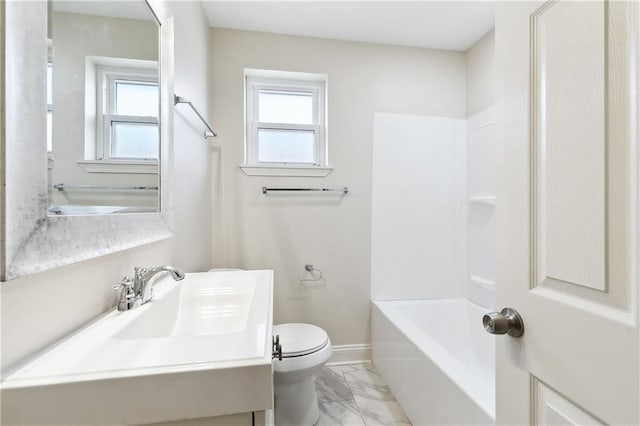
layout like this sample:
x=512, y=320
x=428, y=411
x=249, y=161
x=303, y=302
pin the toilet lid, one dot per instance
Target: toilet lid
x=300, y=339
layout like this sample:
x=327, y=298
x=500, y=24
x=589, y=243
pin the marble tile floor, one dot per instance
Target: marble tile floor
x=356, y=395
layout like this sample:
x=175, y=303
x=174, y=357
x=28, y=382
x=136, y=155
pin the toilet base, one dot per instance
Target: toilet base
x=296, y=404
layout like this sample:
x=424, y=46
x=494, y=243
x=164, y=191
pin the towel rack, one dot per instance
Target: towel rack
x=210, y=133
x=310, y=269
x=65, y=186
x=344, y=190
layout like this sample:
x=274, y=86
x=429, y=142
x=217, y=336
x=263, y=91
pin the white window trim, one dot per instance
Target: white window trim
x=50, y=105
x=123, y=166
x=287, y=82
x=106, y=79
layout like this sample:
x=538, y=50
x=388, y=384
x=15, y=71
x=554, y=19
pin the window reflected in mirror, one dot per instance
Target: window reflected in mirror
x=49, y=106
x=102, y=108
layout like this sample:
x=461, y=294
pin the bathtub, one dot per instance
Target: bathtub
x=437, y=359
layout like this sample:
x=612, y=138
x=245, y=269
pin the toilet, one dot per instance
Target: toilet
x=305, y=349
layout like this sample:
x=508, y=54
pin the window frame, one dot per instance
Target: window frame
x=285, y=83
x=49, y=104
x=49, y=111
x=107, y=79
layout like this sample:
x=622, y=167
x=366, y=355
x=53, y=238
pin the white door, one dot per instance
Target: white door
x=567, y=75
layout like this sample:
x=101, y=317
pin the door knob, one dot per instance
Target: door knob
x=507, y=321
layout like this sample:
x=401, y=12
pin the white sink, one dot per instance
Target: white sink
x=200, y=348
x=202, y=307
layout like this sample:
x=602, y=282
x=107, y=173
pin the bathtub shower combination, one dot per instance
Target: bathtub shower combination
x=432, y=265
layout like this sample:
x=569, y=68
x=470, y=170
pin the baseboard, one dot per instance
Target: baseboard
x=350, y=354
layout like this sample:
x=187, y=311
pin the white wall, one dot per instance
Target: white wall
x=284, y=232
x=480, y=74
x=417, y=223
x=432, y=237
x=39, y=309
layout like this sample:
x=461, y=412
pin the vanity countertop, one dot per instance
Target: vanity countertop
x=201, y=347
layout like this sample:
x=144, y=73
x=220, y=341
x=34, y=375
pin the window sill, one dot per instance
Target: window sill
x=133, y=167
x=285, y=170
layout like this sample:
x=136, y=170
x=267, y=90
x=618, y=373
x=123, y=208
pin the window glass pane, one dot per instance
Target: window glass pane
x=49, y=131
x=49, y=83
x=134, y=140
x=286, y=146
x=278, y=107
x=139, y=99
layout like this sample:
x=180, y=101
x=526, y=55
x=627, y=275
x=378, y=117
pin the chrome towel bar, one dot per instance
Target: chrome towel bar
x=210, y=133
x=344, y=190
x=64, y=186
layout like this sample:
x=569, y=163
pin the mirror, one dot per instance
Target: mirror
x=33, y=239
x=102, y=107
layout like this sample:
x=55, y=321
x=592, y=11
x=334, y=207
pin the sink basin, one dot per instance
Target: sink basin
x=202, y=307
x=200, y=348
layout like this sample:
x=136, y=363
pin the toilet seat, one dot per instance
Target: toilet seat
x=300, y=339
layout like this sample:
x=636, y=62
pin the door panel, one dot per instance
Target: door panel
x=568, y=122
x=567, y=212
x=582, y=158
x=554, y=409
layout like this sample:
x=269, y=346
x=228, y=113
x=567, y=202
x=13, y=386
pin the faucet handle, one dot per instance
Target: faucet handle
x=127, y=296
x=139, y=271
x=124, y=282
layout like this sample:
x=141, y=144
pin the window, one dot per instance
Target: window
x=127, y=115
x=285, y=124
x=49, y=108
x=49, y=99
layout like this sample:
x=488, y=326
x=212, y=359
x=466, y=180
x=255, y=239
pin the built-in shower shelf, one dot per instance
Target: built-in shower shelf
x=489, y=200
x=483, y=282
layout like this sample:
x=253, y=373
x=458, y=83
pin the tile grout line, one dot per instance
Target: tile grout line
x=373, y=375
x=340, y=378
x=346, y=383
x=364, y=421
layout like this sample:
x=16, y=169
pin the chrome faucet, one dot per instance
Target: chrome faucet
x=142, y=279
x=139, y=290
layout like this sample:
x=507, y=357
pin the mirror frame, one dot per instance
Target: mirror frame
x=32, y=241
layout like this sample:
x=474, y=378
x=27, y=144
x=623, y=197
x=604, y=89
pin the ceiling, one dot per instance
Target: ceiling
x=449, y=25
